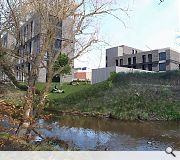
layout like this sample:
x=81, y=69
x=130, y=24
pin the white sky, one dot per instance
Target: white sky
x=149, y=24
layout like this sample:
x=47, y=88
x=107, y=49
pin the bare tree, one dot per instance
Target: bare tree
x=51, y=14
x=161, y=1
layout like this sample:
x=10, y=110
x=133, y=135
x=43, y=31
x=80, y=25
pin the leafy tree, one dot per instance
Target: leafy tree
x=62, y=65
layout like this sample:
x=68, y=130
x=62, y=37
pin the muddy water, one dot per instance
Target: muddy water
x=104, y=134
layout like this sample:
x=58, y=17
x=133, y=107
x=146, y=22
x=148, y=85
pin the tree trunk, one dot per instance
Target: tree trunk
x=29, y=103
x=44, y=94
x=27, y=115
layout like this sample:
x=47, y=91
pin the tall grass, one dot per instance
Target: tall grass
x=162, y=78
x=151, y=96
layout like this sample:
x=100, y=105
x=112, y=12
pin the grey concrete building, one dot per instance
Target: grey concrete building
x=122, y=50
x=8, y=42
x=31, y=32
x=154, y=60
x=127, y=59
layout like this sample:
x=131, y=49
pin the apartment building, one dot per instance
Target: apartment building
x=155, y=60
x=31, y=34
x=32, y=31
x=127, y=59
x=122, y=50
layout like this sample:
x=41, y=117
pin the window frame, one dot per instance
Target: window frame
x=162, y=57
x=129, y=61
x=144, y=58
x=149, y=57
x=160, y=67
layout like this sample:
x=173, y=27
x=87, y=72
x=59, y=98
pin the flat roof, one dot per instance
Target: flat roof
x=147, y=50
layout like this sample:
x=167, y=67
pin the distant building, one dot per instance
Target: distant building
x=122, y=50
x=82, y=74
x=155, y=60
x=128, y=59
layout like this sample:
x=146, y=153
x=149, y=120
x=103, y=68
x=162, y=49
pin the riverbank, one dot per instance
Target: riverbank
x=138, y=96
x=10, y=115
x=49, y=144
x=128, y=97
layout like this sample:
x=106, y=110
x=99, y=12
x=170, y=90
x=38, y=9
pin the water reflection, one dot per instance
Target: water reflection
x=102, y=134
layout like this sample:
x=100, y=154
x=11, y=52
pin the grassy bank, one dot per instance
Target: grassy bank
x=146, y=96
x=69, y=89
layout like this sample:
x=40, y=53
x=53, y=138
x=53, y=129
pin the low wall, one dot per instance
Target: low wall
x=102, y=74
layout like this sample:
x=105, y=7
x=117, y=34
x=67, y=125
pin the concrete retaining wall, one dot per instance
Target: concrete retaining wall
x=102, y=74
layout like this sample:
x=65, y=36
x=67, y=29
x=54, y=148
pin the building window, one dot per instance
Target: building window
x=149, y=67
x=133, y=51
x=36, y=45
x=162, y=56
x=32, y=29
x=17, y=75
x=22, y=77
x=121, y=62
x=134, y=60
x=59, y=34
x=116, y=62
x=129, y=61
x=25, y=48
x=143, y=67
x=106, y=60
x=162, y=66
x=29, y=67
x=5, y=41
x=57, y=44
x=30, y=47
x=136, y=51
x=144, y=58
x=25, y=33
x=149, y=57
x=84, y=68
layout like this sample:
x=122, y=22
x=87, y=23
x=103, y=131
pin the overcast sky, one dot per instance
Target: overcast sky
x=148, y=25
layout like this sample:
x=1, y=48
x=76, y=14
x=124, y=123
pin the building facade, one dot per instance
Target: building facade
x=82, y=74
x=122, y=50
x=32, y=31
x=129, y=60
x=8, y=42
x=154, y=60
x=31, y=43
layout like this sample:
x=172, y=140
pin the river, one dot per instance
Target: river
x=91, y=134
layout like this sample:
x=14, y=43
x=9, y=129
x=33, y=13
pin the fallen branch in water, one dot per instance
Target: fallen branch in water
x=36, y=132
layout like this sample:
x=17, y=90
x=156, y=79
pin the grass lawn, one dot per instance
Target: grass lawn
x=69, y=89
